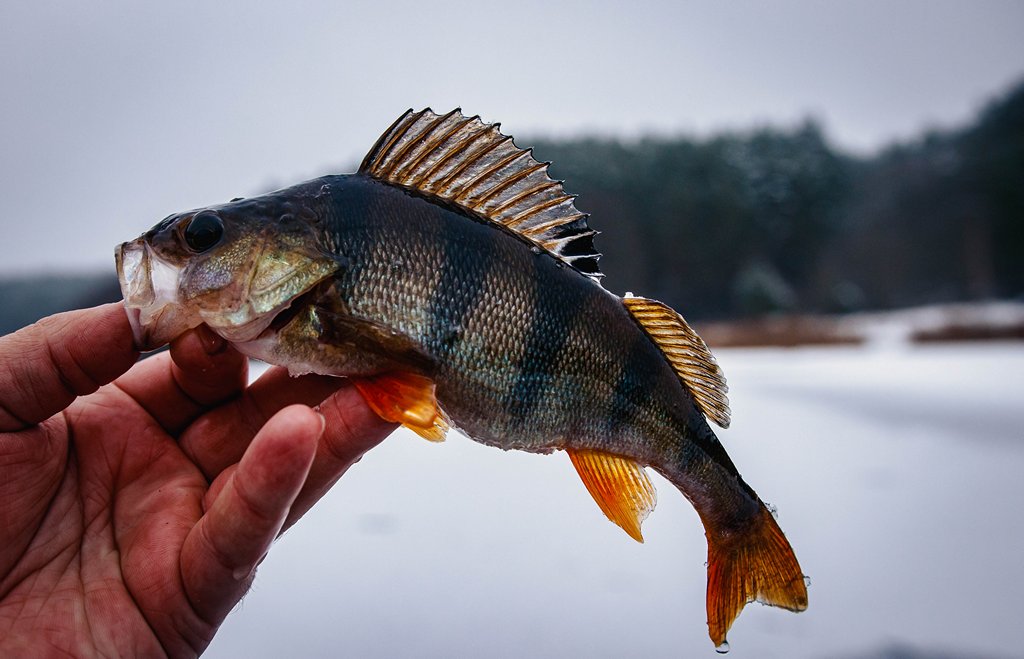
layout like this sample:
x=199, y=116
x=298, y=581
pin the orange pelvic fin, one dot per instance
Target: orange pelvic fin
x=755, y=566
x=620, y=486
x=405, y=398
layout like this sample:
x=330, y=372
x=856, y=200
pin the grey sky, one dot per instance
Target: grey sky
x=116, y=114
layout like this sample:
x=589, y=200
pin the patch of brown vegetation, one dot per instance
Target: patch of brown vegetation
x=969, y=332
x=777, y=331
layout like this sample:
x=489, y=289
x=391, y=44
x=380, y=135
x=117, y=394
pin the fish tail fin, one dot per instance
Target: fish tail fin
x=756, y=565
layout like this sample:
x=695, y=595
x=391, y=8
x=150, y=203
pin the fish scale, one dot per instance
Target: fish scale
x=457, y=284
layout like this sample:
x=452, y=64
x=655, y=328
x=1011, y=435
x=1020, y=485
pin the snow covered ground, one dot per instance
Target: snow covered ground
x=896, y=471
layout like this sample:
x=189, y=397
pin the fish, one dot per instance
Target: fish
x=457, y=284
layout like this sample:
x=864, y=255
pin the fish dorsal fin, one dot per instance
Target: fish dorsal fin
x=620, y=487
x=687, y=353
x=465, y=162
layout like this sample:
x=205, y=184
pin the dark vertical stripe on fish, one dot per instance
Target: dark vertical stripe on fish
x=457, y=294
x=552, y=318
x=352, y=201
x=632, y=386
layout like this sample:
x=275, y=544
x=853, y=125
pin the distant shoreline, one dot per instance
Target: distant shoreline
x=969, y=321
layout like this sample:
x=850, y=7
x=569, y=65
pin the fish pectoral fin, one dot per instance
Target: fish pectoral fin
x=620, y=487
x=336, y=327
x=406, y=398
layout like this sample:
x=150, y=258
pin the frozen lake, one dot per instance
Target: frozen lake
x=898, y=474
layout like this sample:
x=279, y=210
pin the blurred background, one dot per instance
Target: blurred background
x=833, y=193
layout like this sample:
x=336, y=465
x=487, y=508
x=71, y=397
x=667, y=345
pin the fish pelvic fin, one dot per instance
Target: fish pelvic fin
x=465, y=162
x=406, y=398
x=686, y=352
x=620, y=487
x=758, y=565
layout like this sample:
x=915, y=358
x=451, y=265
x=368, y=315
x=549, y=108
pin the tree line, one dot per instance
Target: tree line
x=770, y=220
x=778, y=220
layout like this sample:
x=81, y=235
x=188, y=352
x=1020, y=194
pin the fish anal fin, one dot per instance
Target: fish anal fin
x=620, y=487
x=689, y=356
x=406, y=398
x=758, y=565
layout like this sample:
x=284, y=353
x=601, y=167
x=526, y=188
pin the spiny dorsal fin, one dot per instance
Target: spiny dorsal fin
x=466, y=162
x=688, y=354
x=620, y=487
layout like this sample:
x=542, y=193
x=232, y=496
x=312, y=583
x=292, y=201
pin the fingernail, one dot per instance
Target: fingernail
x=323, y=420
x=213, y=343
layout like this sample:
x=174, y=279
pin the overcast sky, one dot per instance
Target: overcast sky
x=115, y=115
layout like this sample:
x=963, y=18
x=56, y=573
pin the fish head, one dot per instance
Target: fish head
x=234, y=267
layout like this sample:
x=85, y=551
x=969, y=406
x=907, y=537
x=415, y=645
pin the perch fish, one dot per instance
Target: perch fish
x=458, y=285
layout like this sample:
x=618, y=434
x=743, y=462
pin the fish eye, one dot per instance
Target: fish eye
x=204, y=231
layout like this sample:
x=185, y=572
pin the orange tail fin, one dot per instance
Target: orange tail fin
x=757, y=565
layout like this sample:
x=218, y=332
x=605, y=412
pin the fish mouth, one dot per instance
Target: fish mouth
x=149, y=286
x=153, y=298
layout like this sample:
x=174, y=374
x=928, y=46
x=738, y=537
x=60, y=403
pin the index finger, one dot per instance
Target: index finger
x=45, y=366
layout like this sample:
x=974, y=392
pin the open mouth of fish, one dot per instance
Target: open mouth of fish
x=152, y=298
x=150, y=289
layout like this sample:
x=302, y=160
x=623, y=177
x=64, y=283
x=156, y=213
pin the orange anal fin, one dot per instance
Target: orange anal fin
x=620, y=487
x=758, y=565
x=405, y=398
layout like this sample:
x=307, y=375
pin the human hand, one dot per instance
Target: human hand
x=133, y=514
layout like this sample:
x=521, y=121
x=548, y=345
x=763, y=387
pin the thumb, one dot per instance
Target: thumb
x=45, y=366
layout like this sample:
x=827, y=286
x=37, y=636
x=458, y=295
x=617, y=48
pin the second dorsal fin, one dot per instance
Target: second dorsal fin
x=687, y=353
x=465, y=162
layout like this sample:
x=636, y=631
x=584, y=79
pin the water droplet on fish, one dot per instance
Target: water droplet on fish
x=325, y=189
x=535, y=249
x=723, y=648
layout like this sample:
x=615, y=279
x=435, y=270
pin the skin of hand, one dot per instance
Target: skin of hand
x=136, y=499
